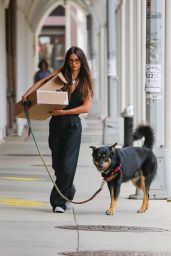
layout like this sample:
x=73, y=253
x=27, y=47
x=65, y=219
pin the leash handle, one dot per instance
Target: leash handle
x=26, y=103
x=26, y=106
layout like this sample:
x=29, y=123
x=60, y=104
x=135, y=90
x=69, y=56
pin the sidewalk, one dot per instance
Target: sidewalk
x=30, y=228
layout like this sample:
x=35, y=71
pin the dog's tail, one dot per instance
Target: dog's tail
x=147, y=132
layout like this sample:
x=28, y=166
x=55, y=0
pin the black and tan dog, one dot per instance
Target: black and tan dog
x=118, y=165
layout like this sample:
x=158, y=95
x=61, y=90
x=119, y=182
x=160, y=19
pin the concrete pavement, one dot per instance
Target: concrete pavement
x=29, y=228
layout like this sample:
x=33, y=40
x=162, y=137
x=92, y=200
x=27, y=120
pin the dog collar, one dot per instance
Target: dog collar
x=112, y=173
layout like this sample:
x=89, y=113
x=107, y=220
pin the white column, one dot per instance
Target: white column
x=81, y=30
x=123, y=56
x=3, y=86
x=113, y=124
x=138, y=84
x=143, y=59
x=112, y=74
x=103, y=70
x=95, y=63
x=168, y=96
x=67, y=25
x=24, y=60
x=139, y=56
x=118, y=54
x=130, y=54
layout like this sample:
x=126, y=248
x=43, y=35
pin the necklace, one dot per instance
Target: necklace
x=73, y=82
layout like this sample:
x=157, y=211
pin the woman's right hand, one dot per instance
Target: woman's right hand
x=24, y=98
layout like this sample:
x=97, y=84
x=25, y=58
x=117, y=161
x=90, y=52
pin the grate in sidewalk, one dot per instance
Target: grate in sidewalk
x=115, y=253
x=113, y=228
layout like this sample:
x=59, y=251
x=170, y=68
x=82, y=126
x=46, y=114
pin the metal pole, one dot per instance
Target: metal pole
x=168, y=100
x=155, y=89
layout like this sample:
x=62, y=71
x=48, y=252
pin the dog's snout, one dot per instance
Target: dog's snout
x=101, y=164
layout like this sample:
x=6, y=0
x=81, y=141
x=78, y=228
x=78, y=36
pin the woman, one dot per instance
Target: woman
x=65, y=125
x=42, y=72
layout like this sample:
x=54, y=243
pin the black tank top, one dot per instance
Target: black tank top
x=75, y=99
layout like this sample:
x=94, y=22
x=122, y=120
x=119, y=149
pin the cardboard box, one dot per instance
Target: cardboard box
x=45, y=99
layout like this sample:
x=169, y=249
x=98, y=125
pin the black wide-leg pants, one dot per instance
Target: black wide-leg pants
x=64, y=142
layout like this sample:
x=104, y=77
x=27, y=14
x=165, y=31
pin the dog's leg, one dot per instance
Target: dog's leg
x=141, y=185
x=144, y=205
x=114, y=188
x=112, y=207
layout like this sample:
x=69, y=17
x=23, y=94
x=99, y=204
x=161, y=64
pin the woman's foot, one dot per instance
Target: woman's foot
x=59, y=209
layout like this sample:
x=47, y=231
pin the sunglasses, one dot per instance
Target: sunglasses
x=76, y=61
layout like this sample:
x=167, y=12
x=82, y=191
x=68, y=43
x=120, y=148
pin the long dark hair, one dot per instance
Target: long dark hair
x=84, y=76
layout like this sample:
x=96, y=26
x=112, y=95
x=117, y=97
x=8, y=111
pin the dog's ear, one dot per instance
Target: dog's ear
x=93, y=148
x=112, y=148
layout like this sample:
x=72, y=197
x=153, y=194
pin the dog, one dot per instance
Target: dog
x=119, y=165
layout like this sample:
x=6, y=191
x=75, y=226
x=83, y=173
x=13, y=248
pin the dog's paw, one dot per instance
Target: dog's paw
x=110, y=211
x=142, y=210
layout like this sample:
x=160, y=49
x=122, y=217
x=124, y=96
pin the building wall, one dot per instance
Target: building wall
x=130, y=16
x=130, y=20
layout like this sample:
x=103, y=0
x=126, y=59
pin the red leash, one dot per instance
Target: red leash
x=95, y=194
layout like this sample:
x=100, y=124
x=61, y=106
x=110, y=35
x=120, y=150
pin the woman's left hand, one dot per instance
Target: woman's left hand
x=56, y=112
